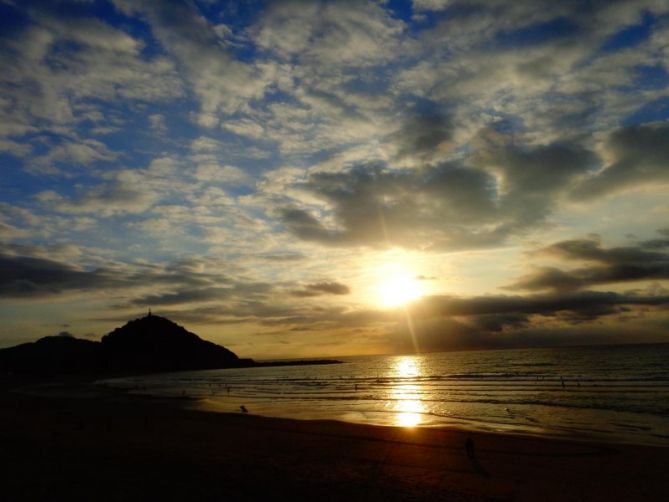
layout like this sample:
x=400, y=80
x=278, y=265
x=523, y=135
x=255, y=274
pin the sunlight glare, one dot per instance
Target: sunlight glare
x=407, y=367
x=409, y=413
x=399, y=289
x=408, y=406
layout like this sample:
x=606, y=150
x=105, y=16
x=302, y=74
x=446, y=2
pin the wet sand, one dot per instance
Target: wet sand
x=110, y=447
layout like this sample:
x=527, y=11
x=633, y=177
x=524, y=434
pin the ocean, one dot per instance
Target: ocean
x=612, y=393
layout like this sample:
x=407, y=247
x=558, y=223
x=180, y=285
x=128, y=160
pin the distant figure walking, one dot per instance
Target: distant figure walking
x=469, y=448
x=243, y=409
x=562, y=382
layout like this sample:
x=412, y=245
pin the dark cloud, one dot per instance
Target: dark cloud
x=322, y=288
x=414, y=208
x=645, y=261
x=587, y=303
x=182, y=296
x=281, y=257
x=592, y=250
x=502, y=192
x=541, y=169
x=237, y=289
x=22, y=276
x=447, y=323
x=443, y=321
x=34, y=277
x=305, y=226
x=532, y=179
x=639, y=156
x=423, y=136
x=660, y=243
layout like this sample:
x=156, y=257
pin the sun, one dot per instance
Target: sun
x=399, y=289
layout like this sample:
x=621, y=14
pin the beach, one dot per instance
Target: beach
x=75, y=442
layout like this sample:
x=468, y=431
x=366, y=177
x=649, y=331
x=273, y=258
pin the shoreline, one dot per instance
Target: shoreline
x=221, y=404
x=119, y=447
x=465, y=427
x=83, y=387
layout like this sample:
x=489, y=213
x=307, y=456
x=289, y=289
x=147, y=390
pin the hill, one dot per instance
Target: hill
x=148, y=344
x=52, y=354
x=154, y=343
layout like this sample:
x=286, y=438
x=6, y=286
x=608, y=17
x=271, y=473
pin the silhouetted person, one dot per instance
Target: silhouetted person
x=243, y=409
x=469, y=448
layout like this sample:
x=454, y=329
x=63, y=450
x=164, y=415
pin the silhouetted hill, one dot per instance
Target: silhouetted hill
x=154, y=343
x=149, y=344
x=52, y=354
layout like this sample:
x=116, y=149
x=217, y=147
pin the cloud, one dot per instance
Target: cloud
x=432, y=207
x=580, y=305
x=322, y=288
x=158, y=123
x=423, y=137
x=221, y=83
x=120, y=196
x=62, y=158
x=127, y=191
x=637, y=157
x=421, y=5
x=55, y=67
x=28, y=277
x=329, y=34
x=477, y=202
x=448, y=323
x=646, y=261
x=14, y=148
x=184, y=296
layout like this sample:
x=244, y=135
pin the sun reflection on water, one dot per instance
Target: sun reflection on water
x=405, y=393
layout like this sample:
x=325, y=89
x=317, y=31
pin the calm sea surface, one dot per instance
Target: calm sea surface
x=617, y=393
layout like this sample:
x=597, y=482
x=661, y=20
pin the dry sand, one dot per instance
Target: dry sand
x=106, y=447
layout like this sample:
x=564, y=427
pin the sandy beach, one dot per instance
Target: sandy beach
x=74, y=443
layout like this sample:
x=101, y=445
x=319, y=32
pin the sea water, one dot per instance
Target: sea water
x=616, y=393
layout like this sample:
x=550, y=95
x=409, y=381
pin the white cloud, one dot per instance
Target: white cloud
x=221, y=83
x=44, y=83
x=61, y=158
x=421, y=5
x=15, y=148
x=329, y=34
x=158, y=123
x=213, y=172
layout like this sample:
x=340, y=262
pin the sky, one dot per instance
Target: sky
x=294, y=179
